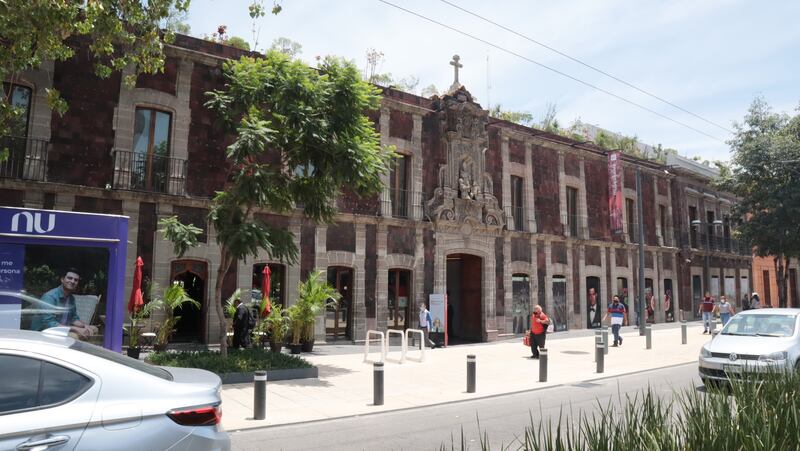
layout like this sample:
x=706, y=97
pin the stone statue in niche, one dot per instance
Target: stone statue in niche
x=467, y=189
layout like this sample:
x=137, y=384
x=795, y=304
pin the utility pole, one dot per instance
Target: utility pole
x=640, y=218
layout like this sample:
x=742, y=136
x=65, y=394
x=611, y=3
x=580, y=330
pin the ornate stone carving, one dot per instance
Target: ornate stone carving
x=465, y=192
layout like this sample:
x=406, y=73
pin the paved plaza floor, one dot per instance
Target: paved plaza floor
x=345, y=383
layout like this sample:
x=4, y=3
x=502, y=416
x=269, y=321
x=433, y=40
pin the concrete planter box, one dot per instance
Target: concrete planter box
x=272, y=375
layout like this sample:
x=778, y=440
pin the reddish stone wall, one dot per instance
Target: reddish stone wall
x=12, y=198
x=145, y=235
x=572, y=165
x=663, y=186
x=648, y=260
x=520, y=250
x=621, y=257
x=82, y=139
x=371, y=271
x=596, y=173
x=499, y=271
x=593, y=256
x=164, y=81
x=630, y=178
x=98, y=205
x=428, y=243
x=494, y=162
x=558, y=252
x=433, y=154
x=308, y=248
x=401, y=124
x=207, y=164
x=400, y=240
x=274, y=221
x=545, y=185
x=350, y=202
x=516, y=151
x=341, y=237
x=649, y=210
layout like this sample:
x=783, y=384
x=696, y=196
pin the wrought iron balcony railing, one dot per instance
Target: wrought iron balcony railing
x=154, y=173
x=27, y=158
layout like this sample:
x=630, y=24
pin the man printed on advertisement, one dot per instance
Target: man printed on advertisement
x=64, y=312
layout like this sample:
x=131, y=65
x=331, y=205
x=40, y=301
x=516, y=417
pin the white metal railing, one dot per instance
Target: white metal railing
x=403, y=346
x=380, y=334
x=421, y=357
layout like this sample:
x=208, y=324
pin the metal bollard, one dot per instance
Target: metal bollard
x=683, y=332
x=260, y=395
x=605, y=340
x=648, y=335
x=598, y=338
x=713, y=326
x=599, y=357
x=377, y=383
x=543, y=365
x=471, y=373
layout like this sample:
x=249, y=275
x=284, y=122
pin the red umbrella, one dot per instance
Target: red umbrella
x=136, y=301
x=266, y=307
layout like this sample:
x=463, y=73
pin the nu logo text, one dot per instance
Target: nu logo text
x=33, y=222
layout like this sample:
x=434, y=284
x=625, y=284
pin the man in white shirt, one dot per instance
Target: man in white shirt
x=425, y=324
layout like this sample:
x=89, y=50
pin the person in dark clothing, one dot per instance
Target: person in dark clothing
x=242, y=325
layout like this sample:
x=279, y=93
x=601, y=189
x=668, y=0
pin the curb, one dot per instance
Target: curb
x=272, y=375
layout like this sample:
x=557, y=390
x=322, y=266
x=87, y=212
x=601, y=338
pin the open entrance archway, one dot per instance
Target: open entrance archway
x=465, y=296
x=339, y=318
x=193, y=274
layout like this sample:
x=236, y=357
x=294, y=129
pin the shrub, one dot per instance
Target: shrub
x=238, y=361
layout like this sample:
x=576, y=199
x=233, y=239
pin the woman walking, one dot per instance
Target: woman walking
x=725, y=310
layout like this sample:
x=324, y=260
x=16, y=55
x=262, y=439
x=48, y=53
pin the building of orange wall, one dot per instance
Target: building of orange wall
x=765, y=282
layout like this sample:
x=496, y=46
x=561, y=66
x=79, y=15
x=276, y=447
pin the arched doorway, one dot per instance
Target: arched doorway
x=193, y=274
x=339, y=319
x=399, y=297
x=464, y=295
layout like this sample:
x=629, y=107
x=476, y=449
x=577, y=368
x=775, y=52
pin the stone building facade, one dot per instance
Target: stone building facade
x=496, y=215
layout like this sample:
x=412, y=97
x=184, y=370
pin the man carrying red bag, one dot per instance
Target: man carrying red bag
x=539, y=323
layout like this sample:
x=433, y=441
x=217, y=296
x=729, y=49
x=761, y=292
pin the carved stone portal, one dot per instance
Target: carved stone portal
x=465, y=193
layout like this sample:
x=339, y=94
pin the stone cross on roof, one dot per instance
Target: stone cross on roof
x=456, y=65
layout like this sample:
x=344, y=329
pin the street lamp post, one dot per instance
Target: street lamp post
x=640, y=218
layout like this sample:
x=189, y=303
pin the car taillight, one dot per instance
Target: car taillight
x=198, y=416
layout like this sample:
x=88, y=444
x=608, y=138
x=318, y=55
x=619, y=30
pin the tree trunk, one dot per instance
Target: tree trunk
x=225, y=263
x=781, y=272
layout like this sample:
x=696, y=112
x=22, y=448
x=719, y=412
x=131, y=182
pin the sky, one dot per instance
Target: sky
x=711, y=58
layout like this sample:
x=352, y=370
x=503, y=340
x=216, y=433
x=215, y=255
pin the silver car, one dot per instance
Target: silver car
x=752, y=342
x=64, y=394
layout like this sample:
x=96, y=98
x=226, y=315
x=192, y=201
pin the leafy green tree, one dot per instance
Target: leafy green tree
x=518, y=117
x=313, y=122
x=120, y=33
x=765, y=175
x=287, y=47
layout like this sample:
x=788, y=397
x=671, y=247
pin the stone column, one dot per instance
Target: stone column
x=359, y=308
x=582, y=277
x=382, y=285
x=530, y=194
x=506, y=201
x=321, y=264
x=570, y=276
x=386, y=203
x=418, y=276
x=416, y=195
x=548, y=276
x=562, y=191
x=583, y=210
x=508, y=289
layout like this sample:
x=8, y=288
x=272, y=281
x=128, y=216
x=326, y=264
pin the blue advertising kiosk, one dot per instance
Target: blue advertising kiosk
x=43, y=250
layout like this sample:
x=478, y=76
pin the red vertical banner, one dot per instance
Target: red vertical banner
x=615, y=192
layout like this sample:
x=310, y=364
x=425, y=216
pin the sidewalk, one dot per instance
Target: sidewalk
x=344, y=387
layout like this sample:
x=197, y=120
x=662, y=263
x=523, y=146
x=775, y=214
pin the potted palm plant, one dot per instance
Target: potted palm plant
x=295, y=314
x=277, y=326
x=174, y=298
x=314, y=295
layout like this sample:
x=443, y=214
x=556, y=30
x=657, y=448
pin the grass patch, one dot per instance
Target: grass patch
x=238, y=361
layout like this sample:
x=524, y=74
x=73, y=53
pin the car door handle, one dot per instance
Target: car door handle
x=43, y=444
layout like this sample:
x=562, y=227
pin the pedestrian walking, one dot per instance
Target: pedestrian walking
x=725, y=309
x=425, y=323
x=617, y=312
x=539, y=323
x=745, y=302
x=707, y=310
x=243, y=324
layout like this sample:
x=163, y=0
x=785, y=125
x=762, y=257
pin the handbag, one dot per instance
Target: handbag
x=526, y=339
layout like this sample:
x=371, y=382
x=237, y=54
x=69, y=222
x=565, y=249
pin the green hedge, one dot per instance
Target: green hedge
x=238, y=361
